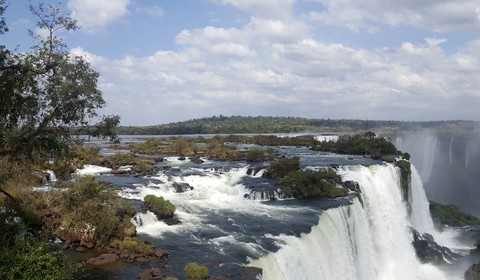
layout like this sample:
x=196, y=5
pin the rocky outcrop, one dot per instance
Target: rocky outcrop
x=352, y=185
x=428, y=251
x=103, y=259
x=83, y=236
x=473, y=272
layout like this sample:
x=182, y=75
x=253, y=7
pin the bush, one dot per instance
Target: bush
x=158, y=205
x=193, y=271
x=132, y=245
x=255, y=155
x=281, y=168
x=27, y=258
x=88, y=203
x=451, y=215
x=312, y=184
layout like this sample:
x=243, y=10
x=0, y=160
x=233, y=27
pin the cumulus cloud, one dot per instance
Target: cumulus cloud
x=370, y=15
x=251, y=71
x=97, y=14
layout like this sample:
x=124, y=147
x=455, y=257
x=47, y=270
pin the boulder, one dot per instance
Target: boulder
x=83, y=236
x=172, y=221
x=161, y=254
x=103, y=259
x=182, y=187
x=473, y=272
x=196, y=159
x=351, y=185
x=428, y=251
x=151, y=274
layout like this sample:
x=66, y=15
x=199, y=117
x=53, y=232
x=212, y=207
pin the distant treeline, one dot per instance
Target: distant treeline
x=261, y=124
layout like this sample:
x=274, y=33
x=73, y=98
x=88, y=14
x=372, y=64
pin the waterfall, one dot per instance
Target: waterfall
x=365, y=241
x=51, y=176
x=429, y=158
x=144, y=219
x=450, y=154
x=420, y=214
x=327, y=138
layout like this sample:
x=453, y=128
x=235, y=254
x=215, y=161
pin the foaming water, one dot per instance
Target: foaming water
x=422, y=220
x=360, y=241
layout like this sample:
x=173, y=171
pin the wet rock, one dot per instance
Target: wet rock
x=428, y=251
x=182, y=187
x=351, y=185
x=103, y=259
x=473, y=272
x=172, y=221
x=161, y=254
x=119, y=171
x=151, y=274
x=196, y=159
x=182, y=158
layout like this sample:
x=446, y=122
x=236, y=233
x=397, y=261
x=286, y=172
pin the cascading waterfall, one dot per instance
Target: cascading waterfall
x=450, y=152
x=420, y=214
x=429, y=158
x=364, y=241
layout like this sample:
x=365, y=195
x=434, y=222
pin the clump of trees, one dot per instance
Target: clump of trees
x=46, y=94
x=451, y=215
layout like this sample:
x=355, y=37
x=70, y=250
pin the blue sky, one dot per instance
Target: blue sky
x=163, y=61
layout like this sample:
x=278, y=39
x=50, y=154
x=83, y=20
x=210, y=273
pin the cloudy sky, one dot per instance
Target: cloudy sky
x=170, y=60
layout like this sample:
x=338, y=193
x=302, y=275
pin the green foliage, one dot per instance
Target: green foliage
x=89, y=203
x=312, y=184
x=451, y=215
x=255, y=155
x=47, y=90
x=132, y=245
x=361, y=144
x=158, y=205
x=280, y=168
x=27, y=258
x=193, y=271
x=150, y=146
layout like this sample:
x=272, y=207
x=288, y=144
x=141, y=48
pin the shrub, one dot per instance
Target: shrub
x=282, y=167
x=158, y=205
x=451, y=215
x=312, y=184
x=89, y=203
x=132, y=245
x=27, y=258
x=193, y=271
x=255, y=155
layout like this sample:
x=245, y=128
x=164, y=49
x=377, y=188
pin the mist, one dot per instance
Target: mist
x=448, y=163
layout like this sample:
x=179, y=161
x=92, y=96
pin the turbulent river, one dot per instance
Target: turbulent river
x=231, y=218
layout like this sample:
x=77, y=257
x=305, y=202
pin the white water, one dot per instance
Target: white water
x=327, y=138
x=355, y=242
x=213, y=191
x=92, y=170
x=422, y=220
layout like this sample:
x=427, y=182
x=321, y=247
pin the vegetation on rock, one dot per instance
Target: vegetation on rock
x=312, y=184
x=193, y=271
x=89, y=204
x=451, y=215
x=159, y=206
x=132, y=245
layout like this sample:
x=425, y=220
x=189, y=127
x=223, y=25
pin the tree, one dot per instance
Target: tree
x=3, y=25
x=47, y=92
